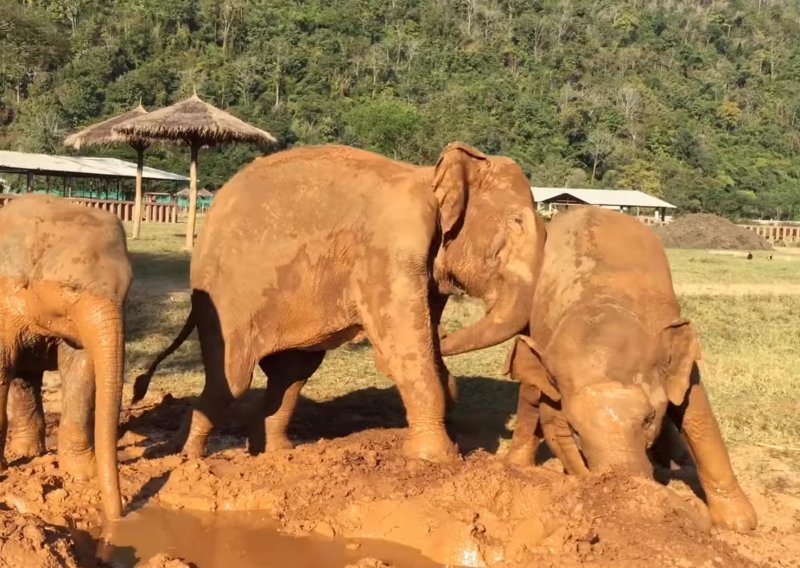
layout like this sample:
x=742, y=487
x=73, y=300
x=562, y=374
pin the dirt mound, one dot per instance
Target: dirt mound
x=27, y=541
x=705, y=231
x=475, y=512
x=358, y=489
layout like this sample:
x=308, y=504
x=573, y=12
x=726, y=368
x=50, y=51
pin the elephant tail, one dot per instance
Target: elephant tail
x=143, y=381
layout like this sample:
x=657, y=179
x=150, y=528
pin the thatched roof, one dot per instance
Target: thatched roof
x=193, y=120
x=103, y=133
x=200, y=193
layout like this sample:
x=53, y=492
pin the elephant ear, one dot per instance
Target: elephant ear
x=680, y=350
x=525, y=364
x=457, y=163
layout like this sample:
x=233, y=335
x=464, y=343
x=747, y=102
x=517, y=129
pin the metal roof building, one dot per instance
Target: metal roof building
x=551, y=198
x=75, y=167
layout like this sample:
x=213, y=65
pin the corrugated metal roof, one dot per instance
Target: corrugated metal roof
x=45, y=164
x=613, y=197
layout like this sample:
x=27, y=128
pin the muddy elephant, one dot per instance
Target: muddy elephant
x=305, y=249
x=609, y=357
x=64, y=277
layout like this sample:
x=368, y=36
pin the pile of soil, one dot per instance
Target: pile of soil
x=27, y=541
x=359, y=488
x=705, y=231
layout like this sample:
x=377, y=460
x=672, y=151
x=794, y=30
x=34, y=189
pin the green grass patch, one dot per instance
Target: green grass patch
x=704, y=267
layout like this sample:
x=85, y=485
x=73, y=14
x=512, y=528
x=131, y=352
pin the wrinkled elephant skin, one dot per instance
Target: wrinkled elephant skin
x=609, y=357
x=312, y=247
x=64, y=277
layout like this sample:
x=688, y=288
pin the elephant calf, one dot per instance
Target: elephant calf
x=64, y=277
x=608, y=357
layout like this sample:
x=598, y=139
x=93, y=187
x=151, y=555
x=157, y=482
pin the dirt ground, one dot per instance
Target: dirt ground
x=706, y=231
x=356, y=486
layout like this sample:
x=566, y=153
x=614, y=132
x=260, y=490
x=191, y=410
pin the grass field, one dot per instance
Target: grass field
x=747, y=314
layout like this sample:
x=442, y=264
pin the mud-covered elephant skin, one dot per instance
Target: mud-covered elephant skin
x=305, y=249
x=609, y=357
x=64, y=278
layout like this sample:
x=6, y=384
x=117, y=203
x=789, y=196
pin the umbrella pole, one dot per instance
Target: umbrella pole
x=137, y=200
x=192, y=197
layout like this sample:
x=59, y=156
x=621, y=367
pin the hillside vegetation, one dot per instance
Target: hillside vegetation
x=693, y=100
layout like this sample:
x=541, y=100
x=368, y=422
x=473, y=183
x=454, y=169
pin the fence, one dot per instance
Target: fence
x=784, y=234
x=151, y=212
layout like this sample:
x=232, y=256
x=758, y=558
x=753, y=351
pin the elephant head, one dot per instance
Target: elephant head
x=492, y=242
x=614, y=379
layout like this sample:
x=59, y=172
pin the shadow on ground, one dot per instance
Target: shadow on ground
x=479, y=420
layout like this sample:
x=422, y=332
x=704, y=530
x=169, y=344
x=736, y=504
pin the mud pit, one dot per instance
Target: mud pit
x=355, y=500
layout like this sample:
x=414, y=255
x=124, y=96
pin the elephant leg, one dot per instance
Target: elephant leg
x=26, y=426
x=75, y=451
x=229, y=372
x=559, y=438
x=398, y=323
x=6, y=374
x=287, y=372
x=219, y=392
x=728, y=505
x=437, y=305
x=525, y=442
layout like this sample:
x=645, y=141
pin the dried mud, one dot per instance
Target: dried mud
x=359, y=489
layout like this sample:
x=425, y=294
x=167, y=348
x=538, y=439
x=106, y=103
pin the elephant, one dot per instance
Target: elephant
x=306, y=249
x=64, y=279
x=607, y=357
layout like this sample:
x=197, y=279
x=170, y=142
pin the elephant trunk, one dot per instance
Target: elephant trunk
x=100, y=330
x=507, y=317
x=624, y=456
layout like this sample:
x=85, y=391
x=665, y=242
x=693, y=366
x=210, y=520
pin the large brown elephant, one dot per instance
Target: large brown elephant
x=307, y=248
x=64, y=277
x=609, y=356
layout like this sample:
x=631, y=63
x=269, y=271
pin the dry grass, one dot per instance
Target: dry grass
x=751, y=342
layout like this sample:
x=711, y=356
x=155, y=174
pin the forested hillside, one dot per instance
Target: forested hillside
x=693, y=100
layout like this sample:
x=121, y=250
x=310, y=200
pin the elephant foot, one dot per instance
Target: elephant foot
x=430, y=446
x=732, y=511
x=81, y=465
x=522, y=456
x=194, y=448
x=276, y=443
x=26, y=446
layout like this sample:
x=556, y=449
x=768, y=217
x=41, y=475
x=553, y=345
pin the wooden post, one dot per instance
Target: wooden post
x=137, y=200
x=194, y=148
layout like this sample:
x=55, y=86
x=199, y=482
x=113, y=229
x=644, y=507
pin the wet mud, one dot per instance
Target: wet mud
x=355, y=500
x=154, y=537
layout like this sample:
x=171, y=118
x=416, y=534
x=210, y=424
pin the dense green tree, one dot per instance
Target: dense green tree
x=694, y=101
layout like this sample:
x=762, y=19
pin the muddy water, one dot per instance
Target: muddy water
x=241, y=539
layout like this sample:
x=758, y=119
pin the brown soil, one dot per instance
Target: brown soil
x=27, y=541
x=705, y=231
x=164, y=561
x=475, y=512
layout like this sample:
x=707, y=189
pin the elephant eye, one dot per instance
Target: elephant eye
x=648, y=421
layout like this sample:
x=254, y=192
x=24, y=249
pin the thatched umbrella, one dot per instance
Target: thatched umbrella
x=103, y=134
x=197, y=124
x=200, y=193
